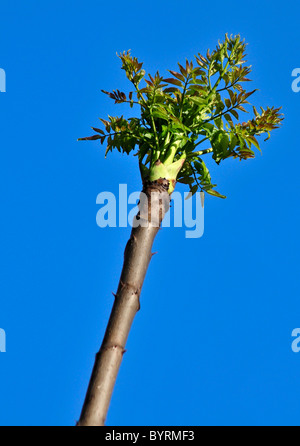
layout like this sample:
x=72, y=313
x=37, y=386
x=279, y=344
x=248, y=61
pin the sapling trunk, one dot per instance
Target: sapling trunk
x=154, y=203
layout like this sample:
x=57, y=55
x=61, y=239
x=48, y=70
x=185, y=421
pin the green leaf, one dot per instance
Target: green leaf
x=177, y=75
x=90, y=138
x=172, y=81
x=232, y=97
x=98, y=130
x=160, y=113
x=234, y=113
x=192, y=192
x=233, y=142
x=255, y=112
x=197, y=100
x=171, y=90
x=240, y=107
x=220, y=143
x=229, y=119
x=219, y=123
x=254, y=142
x=215, y=193
x=183, y=70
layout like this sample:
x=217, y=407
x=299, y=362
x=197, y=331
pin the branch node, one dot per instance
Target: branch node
x=113, y=347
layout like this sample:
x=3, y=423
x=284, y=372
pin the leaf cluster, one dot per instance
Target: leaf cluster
x=199, y=102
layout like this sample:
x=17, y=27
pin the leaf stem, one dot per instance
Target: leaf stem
x=202, y=140
x=199, y=153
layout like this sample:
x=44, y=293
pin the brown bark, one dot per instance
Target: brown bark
x=137, y=256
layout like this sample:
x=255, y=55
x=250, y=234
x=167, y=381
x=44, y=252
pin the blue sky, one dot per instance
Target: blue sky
x=212, y=342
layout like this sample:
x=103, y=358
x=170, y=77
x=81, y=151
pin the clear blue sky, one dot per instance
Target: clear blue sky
x=212, y=342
